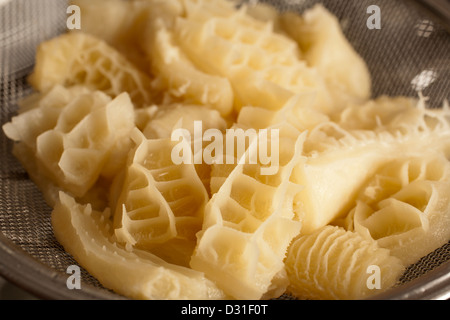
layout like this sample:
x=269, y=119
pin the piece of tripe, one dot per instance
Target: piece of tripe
x=121, y=25
x=75, y=141
x=405, y=207
x=340, y=161
x=159, y=205
x=335, y=264
x=82, y=59
x=196, y=119
x=249, y=223
x=263, y=66
x=86, y=235
x=176, y=75
x=325, y=47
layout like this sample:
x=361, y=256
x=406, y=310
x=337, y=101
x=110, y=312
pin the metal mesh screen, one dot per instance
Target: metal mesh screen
x=409, y=52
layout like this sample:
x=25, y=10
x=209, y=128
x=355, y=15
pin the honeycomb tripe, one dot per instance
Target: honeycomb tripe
x=80, y=141
x=405, y=207
x=79, y=58
x=39, y=112
x=326, y=48
x=380, y=113
x=334, y=264
x=405, y=118
x=340, y=161
x=166, y=118
x=122, y=25
x=264, y=67
x=159, y=205
x=196, y=119
x=249, y=223
x=298, y=111
x=176, y=75
x=220, y=170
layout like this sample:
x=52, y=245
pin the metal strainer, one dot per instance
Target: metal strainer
x=409, y=53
